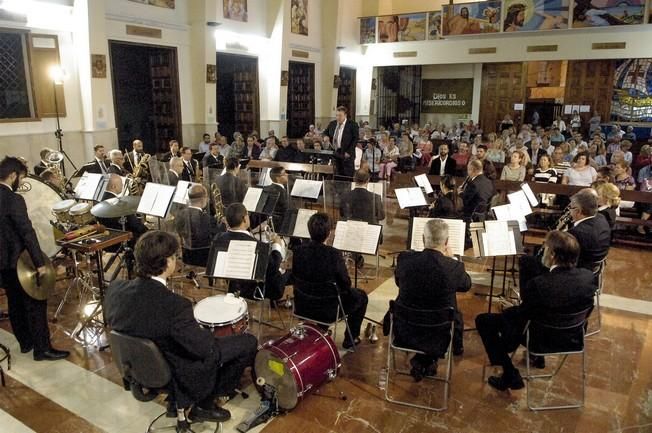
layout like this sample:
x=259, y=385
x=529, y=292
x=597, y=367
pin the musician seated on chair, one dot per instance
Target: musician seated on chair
x=98, y=165
x=203, y=366
x=196, y=227
x=117, y=163
x=564, y=289
x=279, y=188
x=316, y=262
x=43, y=163
x=237, y=220
x=175, y=170
x=212, y=158
x=232, y=188
x=361, y=204
x=429, y=280
x=132, y=223
x=190, y=171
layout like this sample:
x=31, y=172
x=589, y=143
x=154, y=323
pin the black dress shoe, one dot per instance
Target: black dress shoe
x=215, y=414
x=458, y=351
x=346, y=344
x=504, y=382
x=537, y=362
x=51, y=355
x=26, y=349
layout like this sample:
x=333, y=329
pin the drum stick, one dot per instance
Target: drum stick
x=373, y=321
x=342, y=396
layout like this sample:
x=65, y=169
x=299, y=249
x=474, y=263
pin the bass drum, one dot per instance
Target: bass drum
x=39, y=197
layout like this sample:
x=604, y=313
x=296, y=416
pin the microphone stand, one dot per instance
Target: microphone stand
x=58, y=133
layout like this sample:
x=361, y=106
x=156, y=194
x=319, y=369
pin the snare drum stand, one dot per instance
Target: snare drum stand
x=125, y=253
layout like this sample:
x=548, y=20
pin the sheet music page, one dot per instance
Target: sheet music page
x=356, y=236
x=410, y=197
x=240, y=260
x=418, y=225
x=530, y=195
x=423, y=182
x=181, y=193
x=456, y=235
x=306, y=188
x=148, y=198
x=251, y=198
x=370, y=239
x=520, y=202
x=219, y=269
x=163, y=199
x=264, y=179
x=498, y=239
x=87, y=186
x=508, y=212
x=301, y=223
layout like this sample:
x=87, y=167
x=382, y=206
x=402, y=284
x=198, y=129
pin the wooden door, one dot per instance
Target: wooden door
x=237, y=94
x=346, y=90
x=503, y=85
x=590, y=82
x=301, y=98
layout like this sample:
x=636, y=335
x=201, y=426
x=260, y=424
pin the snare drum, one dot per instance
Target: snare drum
x=80, y=214
x=223, y=315
x=297, y=363
x=60, y=210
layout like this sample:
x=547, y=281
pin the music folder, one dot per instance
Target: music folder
x=295, y=223
x=456, y=234
x=496, y=238
x=357, y=237
x=306, y=188
x=257, y=200
x=423, y=182
x=410, y=197
x=91, y=186
x=181, y=193
x=156, y=200
x=238, y=260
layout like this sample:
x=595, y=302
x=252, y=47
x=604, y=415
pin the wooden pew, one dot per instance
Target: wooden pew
x=293, y=166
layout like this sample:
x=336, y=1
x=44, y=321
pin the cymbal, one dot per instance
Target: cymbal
x=116, y=207
x=36, y=287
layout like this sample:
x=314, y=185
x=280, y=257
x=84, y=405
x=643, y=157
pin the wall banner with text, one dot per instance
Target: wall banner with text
x=447, y=96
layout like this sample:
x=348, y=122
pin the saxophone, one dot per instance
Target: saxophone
x=218, y=206
x=140, y=174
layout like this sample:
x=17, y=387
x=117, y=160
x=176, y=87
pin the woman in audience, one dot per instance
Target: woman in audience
x=448, y=203
x=576, y=121
x=580, y=173
x=544, y=172
x=643, y=158
x=645, y=185
x=622, y=179
x=625, y=146
x=601, y=154
x=405, y=151
x=608, y=200
x=462, y=156
x=520, y=146
x=389, y=160
x=496, y=154
x=515, y=170
x=506, y=123
x=426, y=153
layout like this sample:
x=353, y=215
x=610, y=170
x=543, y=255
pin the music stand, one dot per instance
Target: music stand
x=357, y=237
x=156, y=200
x=260, y=202
x=410, y=198
x=91, y=186
x=308, y=189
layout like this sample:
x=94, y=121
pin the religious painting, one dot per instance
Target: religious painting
x=285, y=78
x=471, y=18
x=412, y=27
x=98, y=66
x=434, y=25
x=235, y=10
x=388, y=29
x=169, y=4
x=527, y=15
x=602, y=13
x=211, y=74
x=299, y=17
x=632, y=91
x=367, y=30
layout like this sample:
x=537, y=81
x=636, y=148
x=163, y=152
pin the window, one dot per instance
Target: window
x=16, y=98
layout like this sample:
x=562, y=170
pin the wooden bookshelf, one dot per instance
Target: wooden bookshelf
x=301, y=98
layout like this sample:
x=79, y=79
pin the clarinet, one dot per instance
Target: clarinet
x=564, y=221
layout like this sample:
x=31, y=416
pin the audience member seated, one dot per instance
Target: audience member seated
x=389, y=160
x=515, y=170
x=269, y=151
x=564, y=289
x=316, y=262
x=622, y=179
x=443, y=163
x=580, y=173
x=232, y=188
x=429, y=280
x=447, y=203
x=286, y=153
x=204, y=144
x=252, y=150
x=405, y=151
x=544, y=173
x=496, y=152
x=462, y=157
x=203, y=367
x=487, y=166
x=608, y=201
x=372, y=158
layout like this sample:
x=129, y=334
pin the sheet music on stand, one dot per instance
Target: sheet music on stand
x=357, y=237
x=423, y=182
x=375, y=187
x=91, y=186
x=295, y=223
x=496, y=238
x=509, y=212
x=532, y=198
x=181, y=193
x=456, y=233
x=257, y=200
x=238, y=260
x=307, y=188
x=264, y=179
x=156, y=200
x=410, y=197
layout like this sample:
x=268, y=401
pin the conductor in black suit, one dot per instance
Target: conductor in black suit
x=478, y=191
x=232, y=188
x=28, y=316
x=343, y=134
x=429, y=280
x=279, y=188
x=565, y=289
x=237, y=220
x=203, y=367
x=442, y=164
x=361, y=204
x=316, y=262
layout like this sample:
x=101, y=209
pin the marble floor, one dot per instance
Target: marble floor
x=84, y=393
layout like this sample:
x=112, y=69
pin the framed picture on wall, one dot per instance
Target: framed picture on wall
x=235, y=10
x=367, y=30
x=211, y=74
x=299, y=17
x=285, y=78
x=608, y=13
x=98, y=65
x=336, y=81
x=523, y=15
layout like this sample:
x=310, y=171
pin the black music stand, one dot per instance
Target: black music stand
x=357, y=248
x=412, y=201
x=261, y=204
x=289, y=226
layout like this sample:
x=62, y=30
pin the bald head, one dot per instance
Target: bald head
x=584, y=204
x=198, y=196
x=115, y=184
x=176, y=164
x=137, y=145
x=474, y=168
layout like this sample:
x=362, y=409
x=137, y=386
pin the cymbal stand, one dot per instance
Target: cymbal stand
x=73, y=284
x=125, y=254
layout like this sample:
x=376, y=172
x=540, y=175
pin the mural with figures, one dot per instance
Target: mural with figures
x=632, y=96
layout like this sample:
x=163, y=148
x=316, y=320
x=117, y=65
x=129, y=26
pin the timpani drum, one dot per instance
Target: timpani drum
x=60, y=210
x=223, y=315
x=297, y=363
x=80, y=214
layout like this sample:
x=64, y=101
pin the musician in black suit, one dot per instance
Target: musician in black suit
x=175, y=170
x=132, y=223
x=445, y=206
x=99, y=164
x=279, y=188
x=565, y=289
x=429, y=280
x=190, y=171
x=316, y=262
x=28, y=316
x=196, y=227
x=442, y=159
x=42, y=165
x=343, y=134
x=203, y=366
x=232, y=188
x=237, y=220
x=117, y=162
x=212, y=158
x=361, y=204
x=174, y=151
x=477, y=191
x=133, y=158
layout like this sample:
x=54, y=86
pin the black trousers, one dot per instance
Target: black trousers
x=345, y=166
x=500, y=336
x=427, y=359
x=237, y=352
x=355, y=307
x=529, y=267
x=28, y=317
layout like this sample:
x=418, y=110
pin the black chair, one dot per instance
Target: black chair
x=320, y=303
x=144, y=371
x=435, y=322
x=5, y=355
x=598, y=272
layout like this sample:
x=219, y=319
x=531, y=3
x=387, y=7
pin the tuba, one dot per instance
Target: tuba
x=218, y=206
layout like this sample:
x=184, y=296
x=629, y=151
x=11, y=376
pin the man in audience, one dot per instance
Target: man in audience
x=564, y=289
x=316, y=262
x=477, y=193
x=442, y=164
x=286, y=153
x=224, y=147
x=252, y=149
x=204, y=145
x=232, y=188
x=212, y=158
x=487, y=166
x=429, y=280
